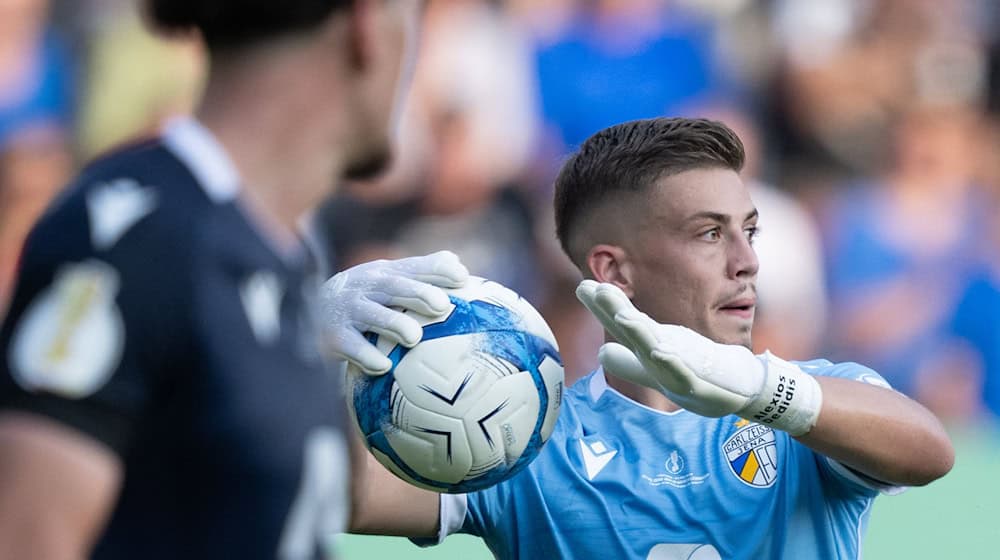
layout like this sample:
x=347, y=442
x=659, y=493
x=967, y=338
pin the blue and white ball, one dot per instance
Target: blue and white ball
x=473, y=402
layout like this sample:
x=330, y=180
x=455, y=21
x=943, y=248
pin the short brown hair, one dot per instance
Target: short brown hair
x=630, y=157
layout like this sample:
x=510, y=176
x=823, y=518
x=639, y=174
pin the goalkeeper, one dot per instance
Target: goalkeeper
x=684, y=443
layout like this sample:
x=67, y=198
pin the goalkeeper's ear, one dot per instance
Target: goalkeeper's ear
x=610, y=263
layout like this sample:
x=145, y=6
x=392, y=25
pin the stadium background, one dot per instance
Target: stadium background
x=871, y=125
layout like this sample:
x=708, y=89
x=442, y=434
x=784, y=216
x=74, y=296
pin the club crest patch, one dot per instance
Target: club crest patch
x=70, y=339
x=752, y=455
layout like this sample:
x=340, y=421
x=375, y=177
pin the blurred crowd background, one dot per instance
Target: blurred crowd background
x=872, y=129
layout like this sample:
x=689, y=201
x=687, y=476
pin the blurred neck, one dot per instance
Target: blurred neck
x=279, y=134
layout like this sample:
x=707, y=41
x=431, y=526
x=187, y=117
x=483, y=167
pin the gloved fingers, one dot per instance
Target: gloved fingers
x=632, y=327
x=611, y=298
x=639, y=331
x=348, y=344
x=430, y=302
x=333, y=286
x=666, y=375
x=442, y=269
x=408, y=293
x=586, y=292
x=674, y=374
x=390, y=323
x=619, y=361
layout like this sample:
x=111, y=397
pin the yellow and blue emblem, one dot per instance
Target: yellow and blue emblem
x=752, y=454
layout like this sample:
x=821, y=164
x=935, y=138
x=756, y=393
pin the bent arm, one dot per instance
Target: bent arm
x=881, y=433
x=382, y=504
x=57, y=488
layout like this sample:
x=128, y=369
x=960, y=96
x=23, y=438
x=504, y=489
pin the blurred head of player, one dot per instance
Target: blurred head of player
x=658, y=208
x=333, y=69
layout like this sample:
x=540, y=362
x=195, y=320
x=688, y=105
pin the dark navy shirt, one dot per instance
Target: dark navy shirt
x=151, y=314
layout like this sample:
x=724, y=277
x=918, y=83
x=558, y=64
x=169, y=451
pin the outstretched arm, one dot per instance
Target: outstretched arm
x=382, y=504
x=374, y=297
x=874, y=430
x=881, y=433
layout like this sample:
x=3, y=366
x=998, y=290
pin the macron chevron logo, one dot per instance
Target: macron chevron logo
x=114, y=207
x=596, y=455
x=261, y=295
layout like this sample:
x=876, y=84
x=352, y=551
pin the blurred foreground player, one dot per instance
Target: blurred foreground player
x=684, y=444
x=162, y=393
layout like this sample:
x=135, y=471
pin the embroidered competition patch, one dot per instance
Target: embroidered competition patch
x=676, y=474
x=70, y=339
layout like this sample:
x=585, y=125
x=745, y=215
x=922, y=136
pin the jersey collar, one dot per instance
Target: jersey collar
x=198, y=149
x=208, y=161
x=598, y=384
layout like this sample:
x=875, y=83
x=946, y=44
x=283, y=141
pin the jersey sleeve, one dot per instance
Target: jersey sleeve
x=453, y=510
x=477, y=513
x=850, y=479
x=89, y=327
x=464, y=513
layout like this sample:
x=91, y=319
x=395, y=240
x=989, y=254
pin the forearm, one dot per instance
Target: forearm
x=880, y=433
x=382, y=504
x=34, y=535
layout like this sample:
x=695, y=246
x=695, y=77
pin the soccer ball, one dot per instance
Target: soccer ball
x=473, y=402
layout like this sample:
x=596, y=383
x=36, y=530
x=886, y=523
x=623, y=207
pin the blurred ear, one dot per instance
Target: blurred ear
x=609, y=263
x=362, y=29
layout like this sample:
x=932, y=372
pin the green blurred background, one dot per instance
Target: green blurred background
x=957, y=517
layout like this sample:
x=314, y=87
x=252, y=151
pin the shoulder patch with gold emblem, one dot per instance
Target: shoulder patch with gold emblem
x=70, y=339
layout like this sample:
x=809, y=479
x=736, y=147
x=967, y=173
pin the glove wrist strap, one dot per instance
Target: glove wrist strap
x=789, y=400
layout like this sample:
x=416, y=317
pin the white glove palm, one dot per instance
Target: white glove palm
x=373, y=297
x=696, y=373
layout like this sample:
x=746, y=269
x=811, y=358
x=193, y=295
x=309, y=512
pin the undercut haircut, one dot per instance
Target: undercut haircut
x=230, y=24
x=628, y=158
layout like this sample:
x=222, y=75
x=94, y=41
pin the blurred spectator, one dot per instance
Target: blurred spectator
x=619, y=60
x=791, y=315
x=900, y=249
x=161, y=77
x=467, y=132
x=849, y=67
x=36, y=111
x=876, y=110
x=544, y=20
x=36, y=88
x=977, y=317
x=976, y=322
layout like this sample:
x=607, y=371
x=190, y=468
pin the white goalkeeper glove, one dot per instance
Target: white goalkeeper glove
x=371, y=297
x=703, y=376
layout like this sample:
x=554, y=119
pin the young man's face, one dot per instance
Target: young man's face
x=691, y=254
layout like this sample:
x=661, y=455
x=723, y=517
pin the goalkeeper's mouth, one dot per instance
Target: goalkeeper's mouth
x=742, y=308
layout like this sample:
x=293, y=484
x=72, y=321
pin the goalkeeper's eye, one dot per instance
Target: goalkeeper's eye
x=751, y=232
x=714, y=234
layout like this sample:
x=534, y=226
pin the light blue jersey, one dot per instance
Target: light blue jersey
x=620, y=480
